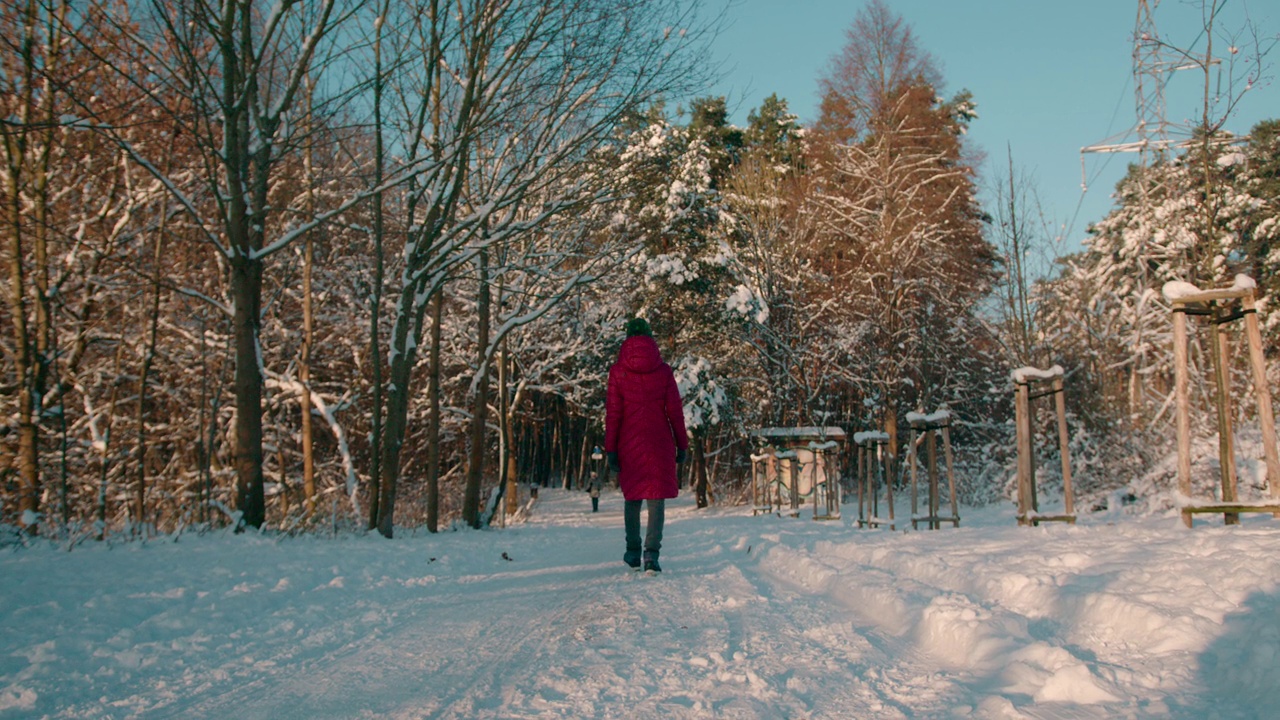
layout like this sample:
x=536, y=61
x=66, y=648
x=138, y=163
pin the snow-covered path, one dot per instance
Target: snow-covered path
x=755, y=618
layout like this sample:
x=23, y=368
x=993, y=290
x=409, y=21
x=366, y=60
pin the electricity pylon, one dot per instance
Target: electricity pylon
x=1151, y=142
x=1151, y=64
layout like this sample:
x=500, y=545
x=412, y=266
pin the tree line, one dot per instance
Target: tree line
x=367, y=263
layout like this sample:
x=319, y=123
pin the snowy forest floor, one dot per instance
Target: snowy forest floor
x=755, y=617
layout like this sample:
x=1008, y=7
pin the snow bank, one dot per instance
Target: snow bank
x=755, y=617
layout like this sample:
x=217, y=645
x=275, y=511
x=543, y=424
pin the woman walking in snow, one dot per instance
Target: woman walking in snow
x=644, y=438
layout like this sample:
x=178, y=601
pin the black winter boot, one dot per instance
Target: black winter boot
x=632, y=558
x=651, y=562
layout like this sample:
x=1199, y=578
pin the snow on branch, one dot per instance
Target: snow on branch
x=297, y=231
x=187, y=203
x=344, y=449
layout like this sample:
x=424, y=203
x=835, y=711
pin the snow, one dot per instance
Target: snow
x=1231, y=158
x=933, y=418
x=1177, y=289
x=747, y=302
x=870, y=435
x=670, y=267
x=755, y=617
x=1025, y=375
x=800, y=433
x=1244, y=282
x=1181, y=500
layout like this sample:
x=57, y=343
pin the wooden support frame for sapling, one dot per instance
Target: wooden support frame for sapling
x=1030, y=384
x=825, y=479
x=766, y=485
x=1221, y=306
x=873, y=465
x=797, y=464
x=924, y=428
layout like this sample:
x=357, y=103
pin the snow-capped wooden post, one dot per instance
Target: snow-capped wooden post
x=1266, y=417
x=787, y=477
x=924, y=429
x=1221, y=306
x=873, y=463
x=764, y=481
x=825, y=479
x=1028, y=384
x=803, y=461
x=1027, y=502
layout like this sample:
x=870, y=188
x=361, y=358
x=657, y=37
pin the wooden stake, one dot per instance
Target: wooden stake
x=888, y=490
x=1226, y=452
x=1022, y=424
x=951, y=475
x=1183, y=401
x=861, y=480
x=931, y=444
x=911, y=466
x=1064, y=444
x=873, y=474
x=1266, y=418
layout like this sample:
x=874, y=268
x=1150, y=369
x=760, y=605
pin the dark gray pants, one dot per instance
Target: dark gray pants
x=653, y=533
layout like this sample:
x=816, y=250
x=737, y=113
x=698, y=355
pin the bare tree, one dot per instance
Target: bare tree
x=508, y=103
x=1022, y=238
x=864, y=80
x=68, y=205
x=234, y=77
x=903, y=241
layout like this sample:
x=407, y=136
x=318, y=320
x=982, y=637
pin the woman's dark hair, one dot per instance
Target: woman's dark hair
x=638, y=326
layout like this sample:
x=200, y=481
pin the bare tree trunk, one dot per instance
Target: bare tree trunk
x=699, y=471
x=382, y=491
x=246, y=287
x=561, y=453
x=202, y=450
x=246, y=268
x=402, y=359
x=27, y=146
x=508, y=431
x=437, y=316
x=891, y=429
x=433, y=416
x=104, y=467
x=308, y=325
x=144, y=375
x=480, y=406
x=27, y=460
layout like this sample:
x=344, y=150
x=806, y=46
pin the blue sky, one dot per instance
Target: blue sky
x=1049, y=76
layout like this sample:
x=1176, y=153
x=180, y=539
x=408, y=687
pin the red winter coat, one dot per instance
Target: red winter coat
x=644, y=421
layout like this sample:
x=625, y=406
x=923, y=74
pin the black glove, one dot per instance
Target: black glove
x=613, y=462
x=680, y=455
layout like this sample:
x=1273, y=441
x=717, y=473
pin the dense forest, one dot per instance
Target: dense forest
x=364, y=264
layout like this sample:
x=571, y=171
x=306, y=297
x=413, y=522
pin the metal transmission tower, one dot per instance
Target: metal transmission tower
x=1148, y=84
x=1150, y=68
x=1149, y=137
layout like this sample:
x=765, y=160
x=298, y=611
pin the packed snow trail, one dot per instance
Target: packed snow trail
x=755, y=617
